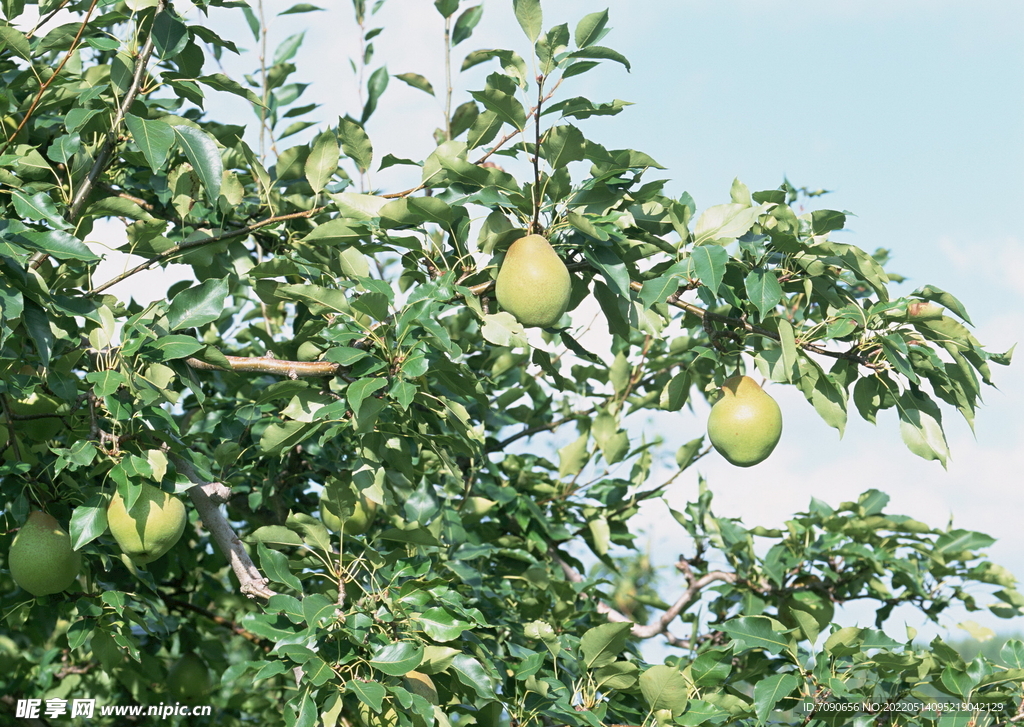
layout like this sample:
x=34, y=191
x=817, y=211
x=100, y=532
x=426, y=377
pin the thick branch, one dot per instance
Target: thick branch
x=291, y=369
x=252, y=583
x=693, y=591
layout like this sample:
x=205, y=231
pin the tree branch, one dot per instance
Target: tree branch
x=53, y=77
x=251, y=581
x=291, y=369
x=647, y=631
x=188, y=245
x=674, y=300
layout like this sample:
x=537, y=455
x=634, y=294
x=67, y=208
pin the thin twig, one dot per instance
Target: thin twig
x=46, y=84
x=190, y=244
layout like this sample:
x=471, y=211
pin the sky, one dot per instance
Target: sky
x=911, y=113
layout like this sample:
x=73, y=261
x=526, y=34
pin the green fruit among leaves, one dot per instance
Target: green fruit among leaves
x=151, y=527
x=533, y=283
x=745, y=424
x=357, y=523
x=41, y=559
x=188, y=678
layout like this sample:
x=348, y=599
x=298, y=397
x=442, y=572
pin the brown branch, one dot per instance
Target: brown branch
x=291, y=369
x=190, y=244
x=706, y=315
x=251, y=581
x=696, y=585
x=530, y=431
x=219, y=620
x=46, y=84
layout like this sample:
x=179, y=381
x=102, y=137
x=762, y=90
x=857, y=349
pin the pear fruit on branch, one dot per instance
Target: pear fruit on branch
x=189, y=678
x=533, y=283
x=363, y=510
x=41, y=559
x=152, y=526
x=745, y=423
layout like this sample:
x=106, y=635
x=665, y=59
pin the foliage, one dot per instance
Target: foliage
x=465, y=602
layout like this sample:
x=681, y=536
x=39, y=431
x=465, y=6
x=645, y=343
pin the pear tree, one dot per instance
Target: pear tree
x=413, y=357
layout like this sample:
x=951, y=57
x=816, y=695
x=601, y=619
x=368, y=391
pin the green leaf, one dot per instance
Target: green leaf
x=769, y=691
x=601, y=644
x=88, y=522
x=397, y=659
x=957, y=541
x=591, y=29
x=374, y=87
x=573, y=456
x=275, y=567
x=59, y=245
x=601, y=53
x=465, y=24
x=202, y=151
x=530, y=17
x=221, y=82
x=170, y=36
x=469, y=672
x=322, y=162
x=37, y=322
x=198, y=305
x=288, y=48
x=763, y=290
x=316, y=607
x=1012, y=653
x=725, y=222
x=930, y=292
x=447, y=8
x=756, y=632
x=440, y=625
x=664, y=687
x=369, y=693
x=358, y=391
x=416, y=81
x=502, y=329
x=619, y=675
x=300, y=8
x=154, y=139
x=16, y=41
x=355, y=143
x=921, y=427
x=562, y=145
x=707, y=263
x=507, y=108
x=38, y=206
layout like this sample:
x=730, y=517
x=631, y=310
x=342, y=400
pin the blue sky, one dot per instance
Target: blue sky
x=911, y=112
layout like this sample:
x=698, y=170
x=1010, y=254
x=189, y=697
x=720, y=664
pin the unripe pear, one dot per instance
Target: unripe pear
x=41, y=559
x=151, y=528
x=533, y=283
x=357, y=524
x=745, y=424
x=188, y=678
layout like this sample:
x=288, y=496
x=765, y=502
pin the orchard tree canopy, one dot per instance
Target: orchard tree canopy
x=345, y=341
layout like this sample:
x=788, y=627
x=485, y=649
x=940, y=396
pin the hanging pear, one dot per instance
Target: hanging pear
x=41, y=559
x=533, y=283
x=151, y=528
x=745, y=424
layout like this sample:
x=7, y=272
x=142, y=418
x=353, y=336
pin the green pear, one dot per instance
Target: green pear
x=151, y=528
x=41, y=559
x=533, y=283
x=188, y=678
x=357, y=524
x=745, y=424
